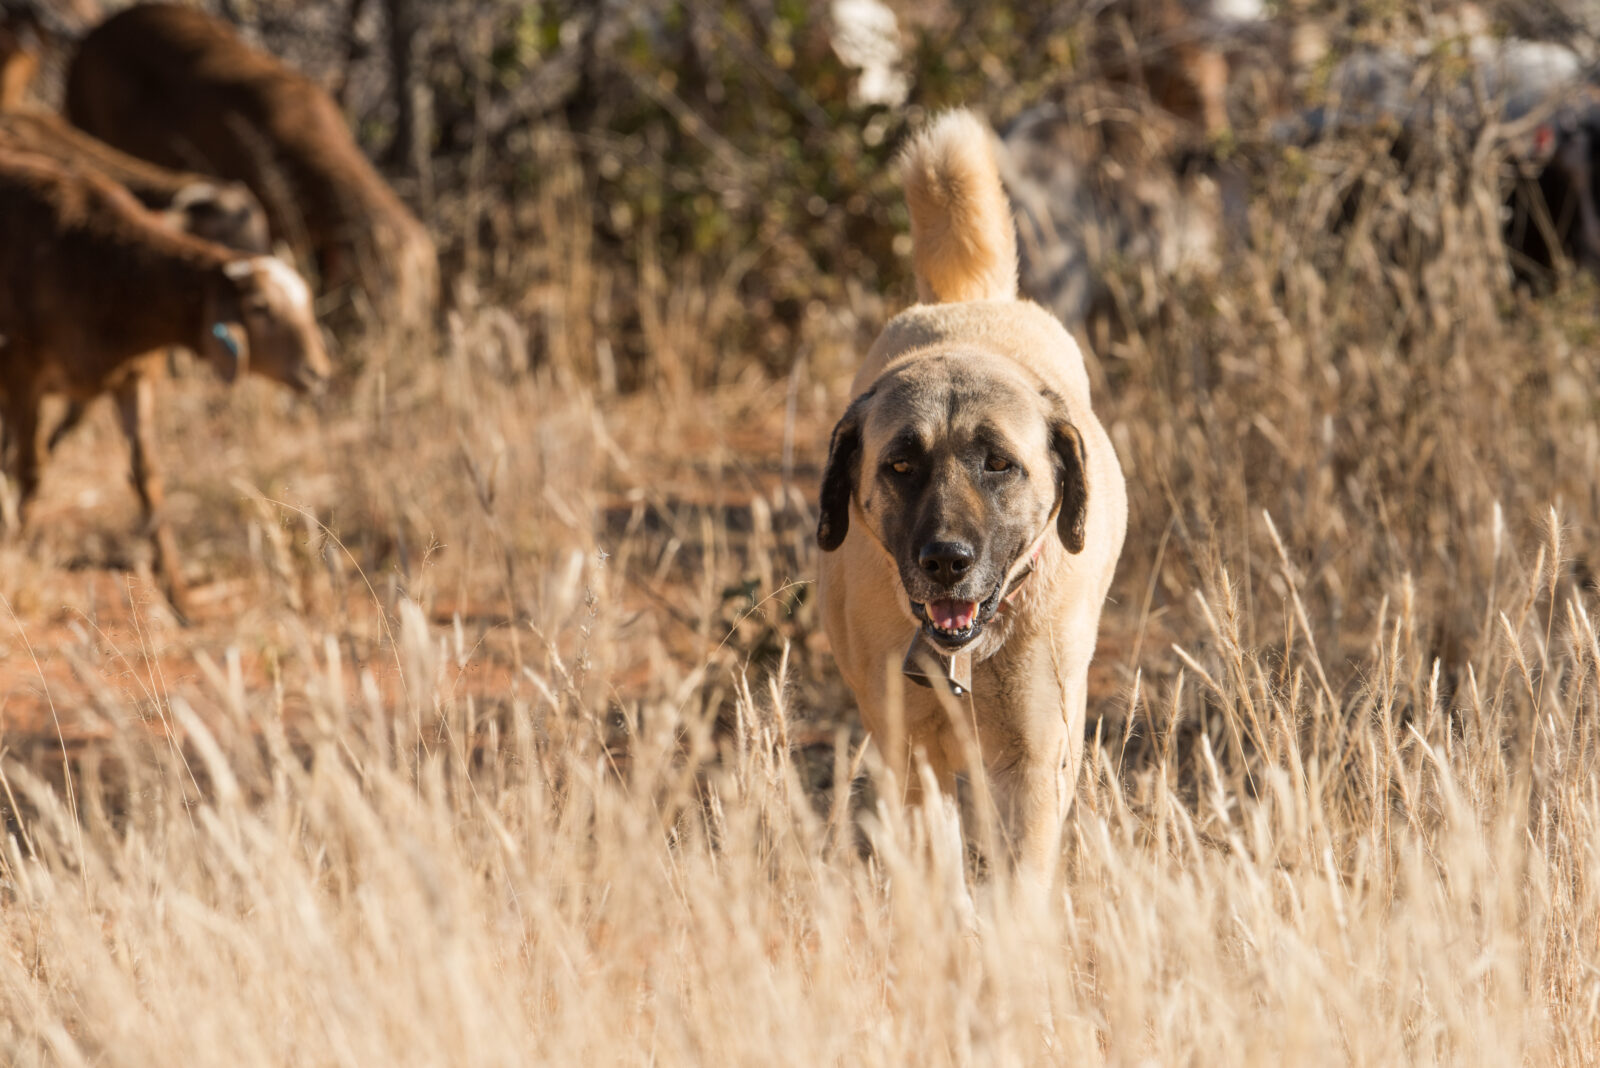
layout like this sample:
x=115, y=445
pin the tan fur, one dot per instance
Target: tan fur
x=1025, y=716
x=173, y=85
x=91, y=282
x=966, y=246
x=18, y=68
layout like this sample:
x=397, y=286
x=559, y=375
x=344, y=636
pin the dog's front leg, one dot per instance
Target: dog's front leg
x=1033, y=796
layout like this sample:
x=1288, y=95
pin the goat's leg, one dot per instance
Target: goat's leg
x=135, y=406
x=69, y=421
x=22, y=430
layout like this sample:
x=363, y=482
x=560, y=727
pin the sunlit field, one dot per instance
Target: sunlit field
x=505, y=730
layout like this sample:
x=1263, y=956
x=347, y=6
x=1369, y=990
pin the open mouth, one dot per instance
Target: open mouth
x=952, y=624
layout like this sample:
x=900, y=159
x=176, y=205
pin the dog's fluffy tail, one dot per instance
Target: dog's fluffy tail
x=965, y=246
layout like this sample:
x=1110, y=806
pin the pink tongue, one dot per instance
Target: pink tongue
x=952, y=615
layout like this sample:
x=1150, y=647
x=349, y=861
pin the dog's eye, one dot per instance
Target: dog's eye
x=997, y=463
x=901, y=467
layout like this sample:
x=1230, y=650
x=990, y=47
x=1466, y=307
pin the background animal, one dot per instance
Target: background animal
x=1553, y=211
x=1528, y=106
x=1093, y=197
x=176, y=86
x=215, y=210
x=92, y=282
x=1176, y=51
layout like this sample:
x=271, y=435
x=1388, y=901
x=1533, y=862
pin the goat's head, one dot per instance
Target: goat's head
x=262, y=320
x=226, y=213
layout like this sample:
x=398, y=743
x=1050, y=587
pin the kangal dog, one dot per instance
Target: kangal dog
x=972, y=513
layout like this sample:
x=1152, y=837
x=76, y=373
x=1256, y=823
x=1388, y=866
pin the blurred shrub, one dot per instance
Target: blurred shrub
x=682, y=191
x=720, y=147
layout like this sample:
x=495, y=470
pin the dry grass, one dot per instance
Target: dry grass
x=507, y=737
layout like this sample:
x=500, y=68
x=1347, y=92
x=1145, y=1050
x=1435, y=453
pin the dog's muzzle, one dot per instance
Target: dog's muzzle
x=942, y=645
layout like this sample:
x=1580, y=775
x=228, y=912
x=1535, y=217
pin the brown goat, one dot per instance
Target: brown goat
x=174, y=85
x=1176, y=50
x=90, y=282
x=224, y=212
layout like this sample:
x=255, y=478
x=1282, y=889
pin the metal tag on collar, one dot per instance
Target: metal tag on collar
x=221, y=332
x=923, y=662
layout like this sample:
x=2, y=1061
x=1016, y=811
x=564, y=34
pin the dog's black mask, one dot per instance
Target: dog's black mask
x=955, y=506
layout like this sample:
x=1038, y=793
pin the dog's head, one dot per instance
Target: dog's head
x=957, y=462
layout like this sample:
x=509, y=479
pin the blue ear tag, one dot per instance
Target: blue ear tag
x=224, y=335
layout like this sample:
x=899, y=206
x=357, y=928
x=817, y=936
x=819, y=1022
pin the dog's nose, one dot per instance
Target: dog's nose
x=946, y=561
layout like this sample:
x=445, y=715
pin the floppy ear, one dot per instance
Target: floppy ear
x=1067, y=444
x=840, y=475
